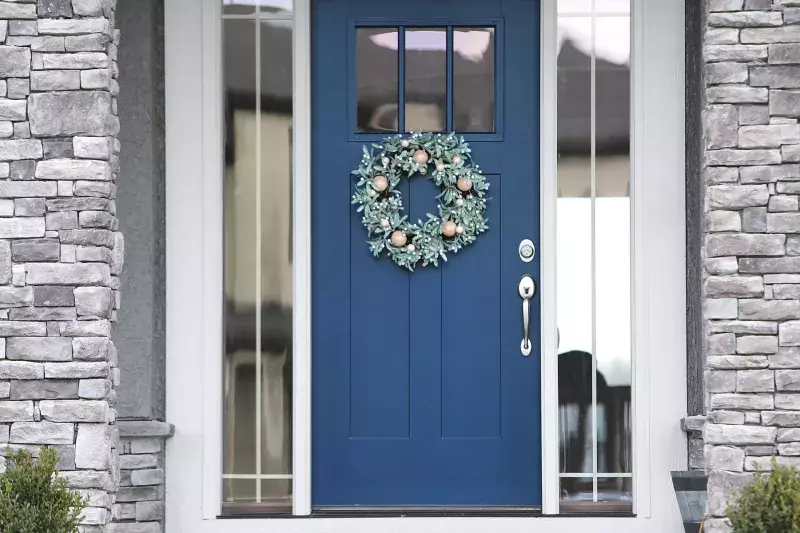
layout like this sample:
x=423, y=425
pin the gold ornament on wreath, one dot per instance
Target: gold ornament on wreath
x=461, y=211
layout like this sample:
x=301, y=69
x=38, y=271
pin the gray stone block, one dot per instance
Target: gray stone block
x=97, y=389
x=721, y=123
x=756, y=345
x=152, y=476
x=44, y=389
x=734, y=52
x=54, y=8
x=75, y=370
x=771, y=136
x=739, y=435
x=743, y=327
x=21, y=370
x=718, y=73
x=80, y=113
x=39, y=349
x=745, y=19
x=754, y=219
x=734, y=286
x=737, y=196
x=778, y=265
x=41, y=433
x=755, y=380
x=68, y=274
x=72, y=169
x=29, y=207
x=750, y=115
x=741, y=402
x=73, y=26
x=747, y=244
x=768, y=310
x=86, y=43
x=781, y=418
x=35, y=250
x=725, y=458
x=775, y=77
x=723, y=221
x=741, y=94
x=15, y=61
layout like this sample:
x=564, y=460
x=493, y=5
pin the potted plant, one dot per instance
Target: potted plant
x=771, y=503
x=691, y=489
x=33, y=499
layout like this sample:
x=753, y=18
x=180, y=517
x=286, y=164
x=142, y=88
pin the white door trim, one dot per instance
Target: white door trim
x=194, y=278
x=548, y=182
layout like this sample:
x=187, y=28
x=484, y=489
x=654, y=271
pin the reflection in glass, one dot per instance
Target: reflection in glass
x=600, y=6
x=473, y=79
x=594, y=254
x=613, y=494
x=258, y=270
x=426, y=79
x=267, y=7
x=376, y=74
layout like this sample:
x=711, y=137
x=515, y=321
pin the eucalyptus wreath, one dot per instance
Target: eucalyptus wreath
x=446, y=161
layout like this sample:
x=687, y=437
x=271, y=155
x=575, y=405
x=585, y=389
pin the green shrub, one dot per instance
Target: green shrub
x=770, y=504
x=33, y=499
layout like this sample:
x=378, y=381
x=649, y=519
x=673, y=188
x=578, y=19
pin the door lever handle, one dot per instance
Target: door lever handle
x=527, y=290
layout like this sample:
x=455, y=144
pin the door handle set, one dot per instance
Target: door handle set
x=527, y=290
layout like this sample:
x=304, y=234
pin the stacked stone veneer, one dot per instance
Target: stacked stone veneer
x=752, y=241
x=60, y=254
x=140, y=496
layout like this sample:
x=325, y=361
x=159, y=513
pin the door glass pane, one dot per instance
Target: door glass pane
x=426, y=79
x=594, y=253
x=612, y=218
x=275, y=7
x=376, y=79
x=612, y=494
x=257, y=408
x=473, y=79
x=574, y=261
x=600, y=6
x=238, y=7
x=266, y=7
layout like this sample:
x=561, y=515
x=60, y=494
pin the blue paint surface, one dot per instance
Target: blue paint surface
x=421, y=396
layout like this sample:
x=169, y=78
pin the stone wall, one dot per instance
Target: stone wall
x=140, y=496
x=752, y=242
x=60, y=253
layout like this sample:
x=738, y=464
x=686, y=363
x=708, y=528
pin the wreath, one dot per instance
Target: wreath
x=446, y=160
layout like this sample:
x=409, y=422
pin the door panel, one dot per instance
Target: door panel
x=421, y=396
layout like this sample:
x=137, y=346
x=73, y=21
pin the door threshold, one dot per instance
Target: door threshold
x=425, y=511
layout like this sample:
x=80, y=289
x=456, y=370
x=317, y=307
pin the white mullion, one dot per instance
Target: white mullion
x=600, y=475
x=301, y=299
x=259, y=265
x=593, y=172
x=256, y=16
x=641, y=47
x=210, y=297
x=256, y=476
x=609, y=14
x=549, y=266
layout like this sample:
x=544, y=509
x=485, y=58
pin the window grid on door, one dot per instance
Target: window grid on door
x=425, y=78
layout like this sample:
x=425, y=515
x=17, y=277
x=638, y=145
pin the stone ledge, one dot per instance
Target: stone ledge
x=144, y=428
x=693, y=423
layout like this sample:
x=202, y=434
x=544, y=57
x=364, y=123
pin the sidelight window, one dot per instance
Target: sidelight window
x=257, y=387
x=594, y=255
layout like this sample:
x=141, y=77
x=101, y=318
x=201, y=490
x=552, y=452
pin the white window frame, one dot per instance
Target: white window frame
x=194, y=233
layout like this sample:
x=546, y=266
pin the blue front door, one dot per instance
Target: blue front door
x=421, y=395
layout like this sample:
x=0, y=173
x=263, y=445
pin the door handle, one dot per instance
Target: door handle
x=527, y=290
